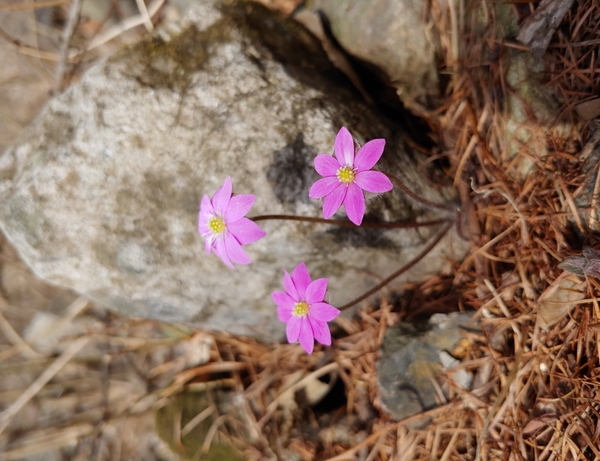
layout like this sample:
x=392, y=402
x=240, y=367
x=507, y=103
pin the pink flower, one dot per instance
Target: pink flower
x=346, y=176
x=303, y=309
x=221, y=222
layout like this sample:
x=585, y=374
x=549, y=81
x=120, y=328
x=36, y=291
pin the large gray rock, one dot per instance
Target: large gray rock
x=101, y=193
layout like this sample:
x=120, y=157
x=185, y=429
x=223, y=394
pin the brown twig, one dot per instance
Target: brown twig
x=72, y=20
x=345, y=223
x=41, y=381
x=403, y=269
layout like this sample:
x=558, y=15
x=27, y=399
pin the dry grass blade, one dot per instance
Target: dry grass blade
x=14, y=337
x=290, y=391
x=350, y=454
x=125, y=25
x=145, y=15
x=67, y=34
x=44, y=440
x=27, y=5
x=41, y=381
x=73, y=310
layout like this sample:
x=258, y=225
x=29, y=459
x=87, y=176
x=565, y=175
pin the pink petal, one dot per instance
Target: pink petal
x=315, y=292
x=204, y=230
x=289, y=286
x=301, y=279
x=326, y=165
x=208, y=245
x=281, y=298
x=354, y=203
x=321, y=332
x=373, y=181
x=284, y=314
x=245, y=231
x=323, y=312
x=221, y=251
x=238, y=206
x=285, y=304
x=206, y=210
x=344, y=147
x=235, y=251
x=221, y=198
x=369, y=154
x=323, y=187
x=334, y=200
x=292, y=329
x=307, y=337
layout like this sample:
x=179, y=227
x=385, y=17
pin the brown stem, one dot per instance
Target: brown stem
x=418, y=199
x=343, y=223
x=403, y=269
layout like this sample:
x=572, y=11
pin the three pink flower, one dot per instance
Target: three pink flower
x=222, y=223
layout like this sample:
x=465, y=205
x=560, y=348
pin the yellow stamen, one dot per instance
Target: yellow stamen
x=345, y=174
x=216, y=225
x=300, y=309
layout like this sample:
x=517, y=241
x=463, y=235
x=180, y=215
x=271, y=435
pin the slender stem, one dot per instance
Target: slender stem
x=416, y=198
x=67, y=35
x=343, y=223
x=403, y=269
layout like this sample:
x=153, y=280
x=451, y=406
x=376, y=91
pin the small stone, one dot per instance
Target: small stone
x=588, y=110
x=411, y=356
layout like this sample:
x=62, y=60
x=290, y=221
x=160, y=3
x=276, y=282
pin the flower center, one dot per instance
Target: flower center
x=216, y=225
x=300, y=309
x=345, y=174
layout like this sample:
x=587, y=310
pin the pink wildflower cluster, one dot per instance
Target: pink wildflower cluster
x=345, y=176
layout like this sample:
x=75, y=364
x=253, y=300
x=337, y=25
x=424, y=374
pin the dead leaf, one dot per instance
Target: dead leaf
x=558, y=299
x=536, y=425
x=588, y=110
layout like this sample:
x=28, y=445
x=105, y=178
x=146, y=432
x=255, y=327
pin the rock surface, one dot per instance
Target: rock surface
x=101, y=193
x=393, y=35
x=532, y=110
x=410, y=357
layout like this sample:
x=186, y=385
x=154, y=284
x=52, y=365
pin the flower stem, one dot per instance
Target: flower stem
x=343, y=223
x=403, y=269
x=418, y=199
